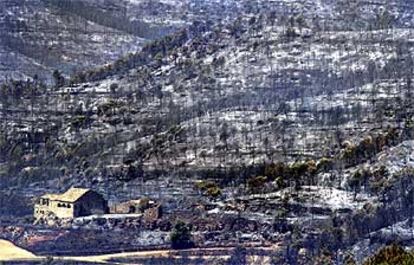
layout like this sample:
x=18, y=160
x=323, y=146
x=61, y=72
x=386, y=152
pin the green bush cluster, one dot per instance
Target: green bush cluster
x=109, y=108
x=374, y=179
x=209, y=188
x=391, y=255
x=296, y=170
x=282, y=173
x=78, y=122
x=371, y=145
x=255, y=184
x=181, y=236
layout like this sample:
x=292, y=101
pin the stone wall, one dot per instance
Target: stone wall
x=59, y=209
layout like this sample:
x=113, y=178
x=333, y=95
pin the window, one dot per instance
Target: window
x=45, y=202
x=64, y=205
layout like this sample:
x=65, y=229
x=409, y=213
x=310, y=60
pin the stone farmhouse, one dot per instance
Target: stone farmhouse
x=73, y=203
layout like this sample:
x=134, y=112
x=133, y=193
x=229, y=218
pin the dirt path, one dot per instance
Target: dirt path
x=11, y=252
x=105, y=258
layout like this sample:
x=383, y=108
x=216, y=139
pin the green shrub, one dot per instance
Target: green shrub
x=209, y=188
x=78, y=121
x=349, y=153
x=213, y=192
x=325, y=164
x=255, y=184
x=181, y=236
x=391, y=255
x=298, y=169
x=359, y=178
x=274, y=170
x=311, y=167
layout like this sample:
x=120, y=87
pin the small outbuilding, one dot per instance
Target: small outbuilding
x=150, y=209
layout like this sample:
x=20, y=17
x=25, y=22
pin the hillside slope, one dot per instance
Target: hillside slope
x=277, y=117
x=259, y=88
x=40, y=36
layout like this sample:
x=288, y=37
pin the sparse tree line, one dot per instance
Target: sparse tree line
x=163, y=48
x=268, y=177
